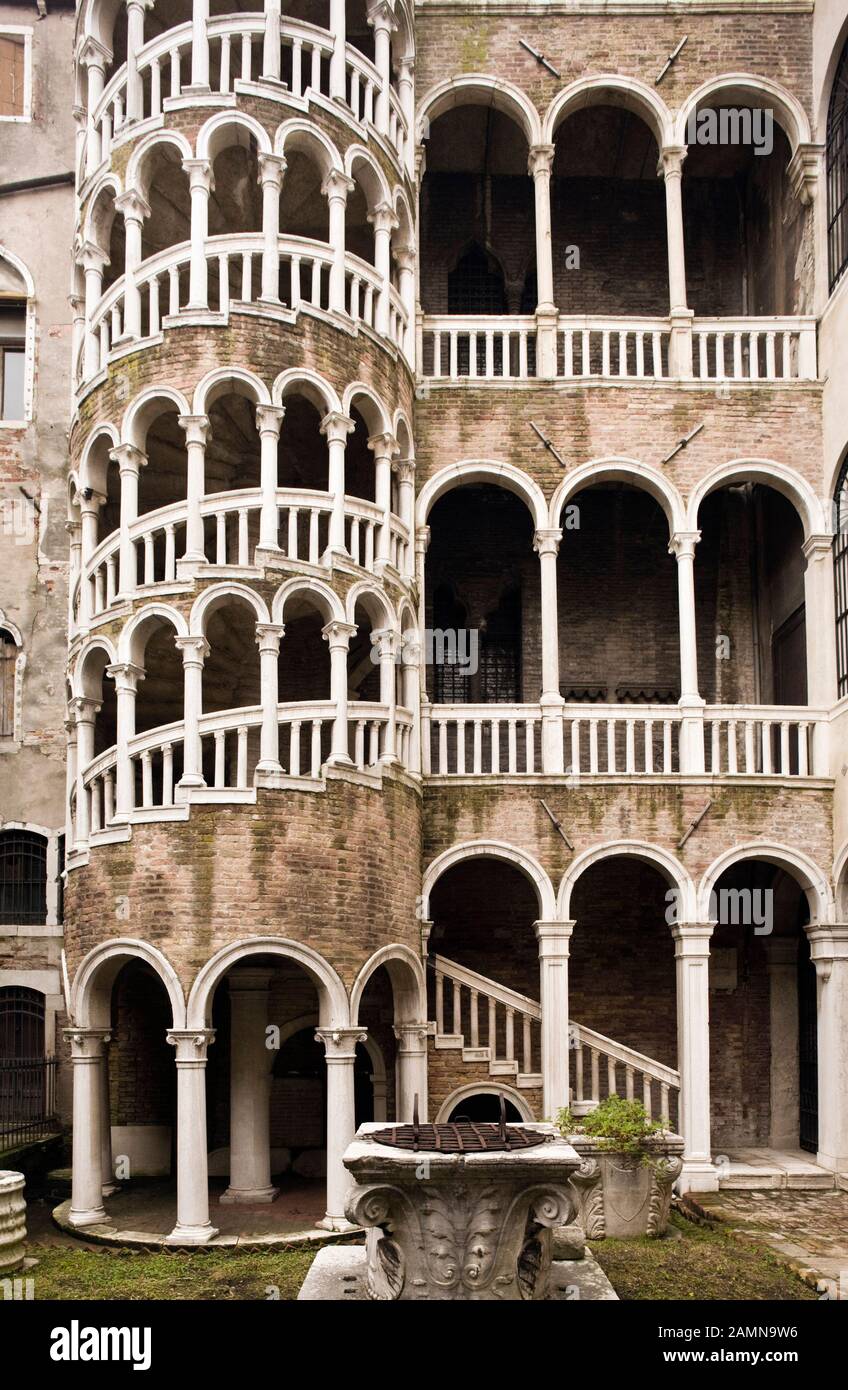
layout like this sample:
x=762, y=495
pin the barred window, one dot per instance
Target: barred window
x=23, y=878
x=21, y=1024
x=837, y=173
x=476, y=284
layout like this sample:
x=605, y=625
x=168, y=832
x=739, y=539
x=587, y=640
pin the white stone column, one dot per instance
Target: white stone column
x=93, y=262
x=411, y=1071
x=130, y=461
x=195, y=651
x=71, y=763
x=135, y=43
x=337, y=635
x=404, y=469
x=196, y=429
x=201, y=184
x=250, y=1088
x=405, y=260
x=384, y=447
x=820, y=622
x=134, y=209
x=406, y=93
x=126, y=677
x=87, y=1046
x=74, y=530
x=193, y=1225
x=335, y=189
x=107, y=1172
x=90, y=503
x=338, y=69
x=340, y=1053
x=383, y=23
x=384, y=223
x=93, y=57
x=829, y=951
x=540, y=162
x=85, y=712
x=782, y=960
x=411, y=695
x=336, y=427
x=680, y=348
x=271, y=42
x=692, y=962
x=553, y=939
x=268, y=637
x=546, y=544
x=271, y=170
x=199, y=48
x=682, y=546
x=269, y=420
x=387, y=642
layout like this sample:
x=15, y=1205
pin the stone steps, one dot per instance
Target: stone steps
x=500, y=1066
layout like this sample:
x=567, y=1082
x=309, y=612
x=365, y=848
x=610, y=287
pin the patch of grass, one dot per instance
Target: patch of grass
x=696, y=1262
x=63, y=1272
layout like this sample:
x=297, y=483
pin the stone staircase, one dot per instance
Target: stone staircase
x=489, y=1023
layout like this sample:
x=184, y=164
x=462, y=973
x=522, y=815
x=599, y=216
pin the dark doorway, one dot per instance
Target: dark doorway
x=484, y=1109
x=807, y=1049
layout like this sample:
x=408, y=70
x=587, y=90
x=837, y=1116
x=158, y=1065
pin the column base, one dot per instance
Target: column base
x=235, y=1195
x=335, y=552
x=191, y=1235
x=191, y=779
x=197, y=89
x=698, y=1175
x=340, y=760
x=336, y=1223
x=109, y=1189
x=93, y=1216
x=268, y=765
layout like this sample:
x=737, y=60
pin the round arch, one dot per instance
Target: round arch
x=134, y=637
x=361, y=166
x=300, y=381
x=748, y=90
x=333, y=1009
x=840, y=888
x=621, y=470
x=610, y=89
x=212, y=136
x=81, y=677
x=409, y=984
x=90, y=473
x=369, y=405
x=775, y=475
x=324, y=598
x=136, y=176
x=483, y=1088
x=794, y=862
x=305, y=138
x=215, y=597
x=492, y=849
x=92, y=229
x=92, y=987
x=476, y=89
x=18, y=265
x=222, y=380
x=468, y=471
x=671, y=869
x=141, y=412
x=375, y=602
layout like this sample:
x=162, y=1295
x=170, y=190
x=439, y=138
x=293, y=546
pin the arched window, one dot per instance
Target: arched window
x=21, y=1024
x=840, y=576
x=837, y=172
x=476, y=284
x=16, y=339
x=23, y=878
x=8, y=672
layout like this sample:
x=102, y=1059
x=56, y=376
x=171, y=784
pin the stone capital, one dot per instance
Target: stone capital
x=340, y=1043
x=546, y=540
x=422, y=539
x=91, y=257
x=84, y=709
x=128, y=458
x=380, y=16
x=671, y=159
x=682, y=544
x=388, y=641
x=191, y=1045
x=337, y=185
x=249, y=979
x=269, y=636
x=412, y=1037
x=383, y=445
x=338, y=634
x=93, y=54
x=817, y=547
x=336, y=427
x=87, y=1044
x=540, y=160
x=271, y=169
x=383, y=218
x=553, y=939
x=199, y=174
x=132, y=206
x=828, y=946
x=404, y=256
x=196, y=428
x=269, y=419
x=804, y=170
x=194, y=649
x=692, y=939
x=126, y=675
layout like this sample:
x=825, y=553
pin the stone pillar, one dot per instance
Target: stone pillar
x=134, y=209
x=411, y=1071
x=340, y=1052
x=692, y=962
x=201, y=184
x=383, y=23
x=404, y=469
x=107, y=1172
x=269, y=420
x=268, y=636
x=384, y=223
x=682, y=546
x=126, y=677
x=782, y=957
x=71, y=763
x=336, y=427
x=195, y=651
x=87, y=1046
x=85, y=712
x=384, y=447
x=196, y=429
x=406, y=93
x=546, y=544
x=271, y=170
x=820, y=621
x=387, y=641
x=271, y=43
x=199, y=48
x=336, y=188
x=680, y=348
x=411, y=695
x=829, y=951
x=338, y=69
x=93, y=262
x=250, y=1088
x=90, y=503
x=553, y=939
x=540, y=162
x=193, y=1225
x=405, y=261
x=93, y=57
x=135, y=43
x=77, y=303
x=130, y=461
x=337, y=635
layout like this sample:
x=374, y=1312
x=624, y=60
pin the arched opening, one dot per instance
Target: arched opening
x=303, y=679
x=23, y=878
x=377, y=1090
x=8, y=682
x=142, y=1082
x=484, y=1108
x=13, y=342
x=94, y=684
x=27, y=1075
x=159, y=701
x=164, y=183
x=107, y=234
x=302, y=454
x=750, y=607
x=763, y=1013
x=836, y=163
x=608, y=219
x=162, y=480
x=231, y=681
x=744, y=226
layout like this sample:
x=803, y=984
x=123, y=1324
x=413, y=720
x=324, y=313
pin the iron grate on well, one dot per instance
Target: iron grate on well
x=459, y=1136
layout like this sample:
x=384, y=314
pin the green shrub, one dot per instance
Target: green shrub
x=622, y=1125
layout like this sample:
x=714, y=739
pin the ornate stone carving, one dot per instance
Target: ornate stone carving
x=666, y=1171
x=589, y=1197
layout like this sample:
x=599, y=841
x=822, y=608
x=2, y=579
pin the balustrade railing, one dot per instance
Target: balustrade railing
x=600, y=1067
x=765, y=741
